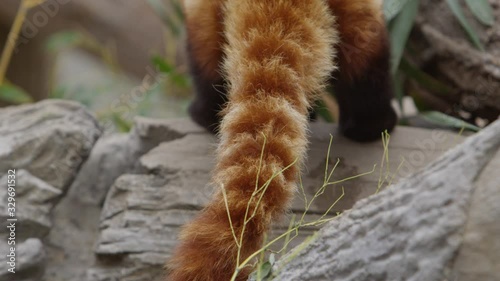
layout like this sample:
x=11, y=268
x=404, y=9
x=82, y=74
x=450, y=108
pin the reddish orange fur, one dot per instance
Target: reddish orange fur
x=278, y=54
x=362, y=34
x=205, y=30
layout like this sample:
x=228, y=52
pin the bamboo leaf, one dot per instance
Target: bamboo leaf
x=180, y=80
x=482, y=11
x=166, y=67
x=393, y=7
x=13, y=94
x=428, y=82
x=264, y=271
x=121, y=124
x=172, y=24
x=178, y=9
x=442, y=119
x=459, y=14
x=399, y=30
x=162, y=65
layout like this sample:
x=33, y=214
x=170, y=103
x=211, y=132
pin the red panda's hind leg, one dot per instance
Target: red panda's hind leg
x=362, y=84
x=204, y=24
x=208, y=101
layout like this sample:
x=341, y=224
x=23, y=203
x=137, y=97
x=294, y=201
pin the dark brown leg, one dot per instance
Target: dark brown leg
x=209, y=99
x=362, y=84
x=204, y=28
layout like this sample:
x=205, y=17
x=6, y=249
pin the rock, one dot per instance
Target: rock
x=410, y=149
x=49, y=139
x=46, y=143
x=30, y=258
x=34, y=200
x=160, y=172
x=479, y=255
x=442, y=46
x=431, y=226
x=71, y=241
x=111, y=157
x=143, y=213
x=140, y=222
x=117, y=154
x=172, y=157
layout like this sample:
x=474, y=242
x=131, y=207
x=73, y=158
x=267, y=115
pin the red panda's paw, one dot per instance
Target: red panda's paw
x=365, y=99
x=368, y=125
x=365, y=105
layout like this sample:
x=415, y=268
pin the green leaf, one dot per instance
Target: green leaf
x=393, y=7
x=57, y=93
x=428, y=82
x=172, y=24
x=178, y=9
x=482, y=11
x=13, y=94
x=442, y=119
x=399, y=29
x=63, y=40
x=322, y=110
x=420, y=102
x=162, y=65
x=180, y=80
x=263, y=271
x=121, y=124
x=459, y=14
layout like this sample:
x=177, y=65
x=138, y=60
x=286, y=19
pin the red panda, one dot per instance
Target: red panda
x=258, y=66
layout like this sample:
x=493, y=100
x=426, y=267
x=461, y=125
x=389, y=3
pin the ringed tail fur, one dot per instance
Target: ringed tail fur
x=277, y=57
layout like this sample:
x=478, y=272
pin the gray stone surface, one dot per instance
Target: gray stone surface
x=192, y=153
x=71, y=241
x=159, y=175
x=50, y=139
x=117, y=154
x=441, y=41
x=111, y=157
x=421, y=229
x=479, y=255
x=143, y=213
x=46, y=143
x=410, y=149
x=34, y=200
x=140, y=222
x=30, y=258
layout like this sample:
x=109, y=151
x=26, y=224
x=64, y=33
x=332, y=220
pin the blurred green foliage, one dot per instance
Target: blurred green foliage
x=400, y=16
x=13, y=94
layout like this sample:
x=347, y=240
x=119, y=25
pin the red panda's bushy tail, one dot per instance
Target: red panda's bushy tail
x=278, y=55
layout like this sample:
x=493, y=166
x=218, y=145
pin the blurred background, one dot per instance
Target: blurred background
x=125, y=58
x=119, y=58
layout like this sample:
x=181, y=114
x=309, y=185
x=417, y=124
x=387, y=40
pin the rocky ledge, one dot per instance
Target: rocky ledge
x=96, y=207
